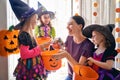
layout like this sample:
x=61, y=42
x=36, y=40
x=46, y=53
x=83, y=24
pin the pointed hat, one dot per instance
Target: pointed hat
x=42, y=10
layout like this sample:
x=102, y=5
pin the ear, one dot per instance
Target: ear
x=80, y=26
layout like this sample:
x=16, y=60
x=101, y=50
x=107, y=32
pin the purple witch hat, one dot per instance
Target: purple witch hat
x=42, y=10
x=21, y=10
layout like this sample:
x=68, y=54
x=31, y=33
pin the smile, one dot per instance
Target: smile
x=10, y=50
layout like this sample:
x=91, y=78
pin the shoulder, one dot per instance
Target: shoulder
x=109, y=55
x=23, y=34
x=87, y=42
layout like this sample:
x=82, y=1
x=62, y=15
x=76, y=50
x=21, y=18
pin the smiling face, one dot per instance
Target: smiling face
x=73, y=27
x=34, y=20
x=45, y=18
x=9, y=42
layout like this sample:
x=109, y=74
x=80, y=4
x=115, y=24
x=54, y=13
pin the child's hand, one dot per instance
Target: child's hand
x=90, y=61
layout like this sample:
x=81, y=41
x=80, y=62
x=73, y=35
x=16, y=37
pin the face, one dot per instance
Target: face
x=73, y=27
x=97, y=38
x=33, y=20
x=45, y=18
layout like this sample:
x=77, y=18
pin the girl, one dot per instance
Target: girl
x=45, y=28
x=103, y=57
x=30, y=65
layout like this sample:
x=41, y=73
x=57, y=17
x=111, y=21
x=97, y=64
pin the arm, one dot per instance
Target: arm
x=36, y=31
x=26, y=53
x=105, y=65
x=53, y=33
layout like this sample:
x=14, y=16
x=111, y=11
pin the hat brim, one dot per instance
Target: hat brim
x=25, y=16
x=87, y=31
x=52, y=14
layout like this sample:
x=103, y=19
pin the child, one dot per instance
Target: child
x=45, y=28
x=103, y=57
x=30, y=65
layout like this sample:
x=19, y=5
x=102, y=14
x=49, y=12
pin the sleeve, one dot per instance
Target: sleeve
x=24, y=38
x=111, y=55
x=36, y=31
x=88, y=49
x=53, y=33
x=66, y=42
x=25, y=53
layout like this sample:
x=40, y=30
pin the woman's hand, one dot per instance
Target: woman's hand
x=61, y=54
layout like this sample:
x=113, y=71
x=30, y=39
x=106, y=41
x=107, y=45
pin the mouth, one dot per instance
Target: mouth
x=54, y=65
x=10, y=50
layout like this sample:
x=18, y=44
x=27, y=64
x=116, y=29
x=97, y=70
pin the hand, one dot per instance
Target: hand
x=61, y=54
x=44, y=45
x=90, y=60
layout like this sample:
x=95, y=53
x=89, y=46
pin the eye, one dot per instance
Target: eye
x=5, y=37
x=14, y=36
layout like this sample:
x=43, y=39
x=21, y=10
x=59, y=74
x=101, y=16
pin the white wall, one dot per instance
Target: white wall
x=3, y=25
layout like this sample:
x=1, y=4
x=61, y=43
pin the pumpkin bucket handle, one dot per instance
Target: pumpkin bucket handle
x=11, y=28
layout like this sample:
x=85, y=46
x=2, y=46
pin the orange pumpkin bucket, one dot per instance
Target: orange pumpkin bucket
x=85, y=73
x=43, y=40
x=49, y=62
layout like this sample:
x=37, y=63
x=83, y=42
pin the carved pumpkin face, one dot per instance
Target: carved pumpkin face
x=49, y=62
x=8, y=42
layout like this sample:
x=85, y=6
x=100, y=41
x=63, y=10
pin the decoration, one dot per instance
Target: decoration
x=85, y=73
x=117, y=20
x=95, y=4
x=118, y=39
x=118, y=10
x=8, y=42
x=117, y=29
x=95, y=13
x=49, y=62
x=118, y=50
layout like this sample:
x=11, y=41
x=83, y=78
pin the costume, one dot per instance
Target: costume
x=84, y=48
x=103, y=57
x=29, y=67
x=108, y=54
x=45, y=31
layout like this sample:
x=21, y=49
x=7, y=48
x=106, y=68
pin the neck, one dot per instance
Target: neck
x=101, y=48
x=78, y=38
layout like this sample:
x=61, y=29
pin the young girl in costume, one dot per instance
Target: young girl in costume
x=30, y=65
x=103, y=57
x=45, y=29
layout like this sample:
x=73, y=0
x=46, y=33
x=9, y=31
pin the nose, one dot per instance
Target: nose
x=11, y=42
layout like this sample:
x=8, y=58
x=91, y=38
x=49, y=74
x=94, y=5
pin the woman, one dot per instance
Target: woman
x=78, y=47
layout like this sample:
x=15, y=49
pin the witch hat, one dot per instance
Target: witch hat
x=21, y=10
x=42, y=10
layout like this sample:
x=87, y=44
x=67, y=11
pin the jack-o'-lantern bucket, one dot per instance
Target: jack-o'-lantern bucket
x=9, y=42
x=85, y=73
x=51, y=63
x=42, y=40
